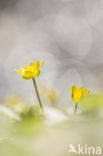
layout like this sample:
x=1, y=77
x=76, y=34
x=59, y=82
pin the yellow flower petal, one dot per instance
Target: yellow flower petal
x=41, y=65
x=36, y=73
x=71, y=90
x=78, y=93
x=23, y=68
x=27, y=76
x=19, y=72
x=32, y=64
x=31, y=71
x=38, y=64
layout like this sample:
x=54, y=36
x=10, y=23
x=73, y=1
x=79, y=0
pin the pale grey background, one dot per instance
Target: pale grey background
x=67, y=34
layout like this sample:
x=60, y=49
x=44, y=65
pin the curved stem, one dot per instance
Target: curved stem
x=38, y=96
x=76, y=106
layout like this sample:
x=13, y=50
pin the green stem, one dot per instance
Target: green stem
x=76, y=106
x=38, y=96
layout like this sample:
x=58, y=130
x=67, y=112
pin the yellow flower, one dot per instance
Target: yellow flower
x=53, y=96
x=78, y=93
x=32, y=71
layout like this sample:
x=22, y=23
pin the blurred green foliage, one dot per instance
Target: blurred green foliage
x=93, y=102
x=32, y=112
x=25, y=132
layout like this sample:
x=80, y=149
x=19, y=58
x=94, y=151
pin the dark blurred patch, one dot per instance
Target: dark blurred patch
x=7, y=4
x=35, y=9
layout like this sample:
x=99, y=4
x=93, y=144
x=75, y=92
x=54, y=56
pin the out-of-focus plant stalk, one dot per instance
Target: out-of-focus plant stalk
x=38, y=96
x=75, y=109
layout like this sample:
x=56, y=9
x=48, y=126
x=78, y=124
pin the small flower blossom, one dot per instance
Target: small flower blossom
x=53, y=96
x=32, y=71
x=78, y=93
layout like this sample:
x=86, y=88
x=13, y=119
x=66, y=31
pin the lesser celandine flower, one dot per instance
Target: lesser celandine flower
x=78, y=94
x=31, y=72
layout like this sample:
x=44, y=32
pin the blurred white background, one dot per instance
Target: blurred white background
x=67, y=34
